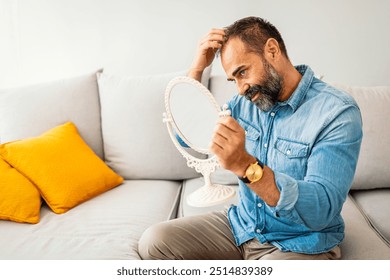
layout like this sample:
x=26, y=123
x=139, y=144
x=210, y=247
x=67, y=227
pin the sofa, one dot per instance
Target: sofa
x=120, y=119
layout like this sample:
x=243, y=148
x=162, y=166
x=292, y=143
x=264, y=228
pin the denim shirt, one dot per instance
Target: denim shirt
x=311, y=142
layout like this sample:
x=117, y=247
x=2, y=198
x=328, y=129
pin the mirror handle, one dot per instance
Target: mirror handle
x=225, y=111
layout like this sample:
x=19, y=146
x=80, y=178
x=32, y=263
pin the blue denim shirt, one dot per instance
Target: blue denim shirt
x=311, y=142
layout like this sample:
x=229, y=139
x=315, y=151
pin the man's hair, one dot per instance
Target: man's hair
x=255, y=32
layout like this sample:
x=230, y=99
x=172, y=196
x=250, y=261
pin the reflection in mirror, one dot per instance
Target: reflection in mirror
x=191, y=115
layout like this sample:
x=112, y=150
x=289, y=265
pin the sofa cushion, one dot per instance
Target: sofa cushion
x=107, y=227
x=191, y=185
x=30, y=110
x=62, y=166
x=20, y=200
x=375, y=204
x=136, y=141
x=361, y=242
x=372, y=170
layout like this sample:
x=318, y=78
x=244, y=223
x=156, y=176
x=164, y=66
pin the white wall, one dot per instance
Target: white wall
x=346, y=41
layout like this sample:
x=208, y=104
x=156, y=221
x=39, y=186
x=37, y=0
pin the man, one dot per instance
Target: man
x=292, y=140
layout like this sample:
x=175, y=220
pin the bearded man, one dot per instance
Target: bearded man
x=292, y=140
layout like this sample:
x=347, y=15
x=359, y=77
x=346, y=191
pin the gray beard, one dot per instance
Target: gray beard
x=269, y=91
x=264, y=102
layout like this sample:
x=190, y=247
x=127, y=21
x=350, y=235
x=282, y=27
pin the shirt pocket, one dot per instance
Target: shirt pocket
x=252, y=136
x=291, y=157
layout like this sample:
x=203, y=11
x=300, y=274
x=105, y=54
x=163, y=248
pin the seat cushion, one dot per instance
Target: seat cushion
x=361, y=241
x=31, y=110
x=106, y=227
x=375, y=204
x=192, y=185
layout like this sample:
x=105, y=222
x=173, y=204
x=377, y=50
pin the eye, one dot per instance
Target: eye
x=242, y=73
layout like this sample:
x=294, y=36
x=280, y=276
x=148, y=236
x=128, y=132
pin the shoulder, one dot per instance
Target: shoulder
x=328, y=103
x=333, y=95
x=338, y=111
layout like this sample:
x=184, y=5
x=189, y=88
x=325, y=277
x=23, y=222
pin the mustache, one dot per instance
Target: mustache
x=252, y=91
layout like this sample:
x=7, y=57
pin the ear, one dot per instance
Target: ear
x=271, y=49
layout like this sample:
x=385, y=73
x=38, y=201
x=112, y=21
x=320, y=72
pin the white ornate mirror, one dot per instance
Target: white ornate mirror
x=191, y=115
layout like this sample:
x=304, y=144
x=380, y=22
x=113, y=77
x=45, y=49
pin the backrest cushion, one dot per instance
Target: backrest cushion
x=31, y=110
x=222, y=89
x=136, y=141
x=373, y=164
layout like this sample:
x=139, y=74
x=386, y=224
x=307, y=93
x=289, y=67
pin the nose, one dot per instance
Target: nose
x=242, y=88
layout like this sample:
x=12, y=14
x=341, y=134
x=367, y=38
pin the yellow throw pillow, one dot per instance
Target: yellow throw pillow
x=20, y=201
x=62, y=166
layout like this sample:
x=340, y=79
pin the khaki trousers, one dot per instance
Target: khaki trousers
x=209, y=237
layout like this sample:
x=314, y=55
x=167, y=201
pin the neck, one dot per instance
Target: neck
x=291, y=79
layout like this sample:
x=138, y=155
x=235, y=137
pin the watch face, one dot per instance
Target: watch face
x=254, y=172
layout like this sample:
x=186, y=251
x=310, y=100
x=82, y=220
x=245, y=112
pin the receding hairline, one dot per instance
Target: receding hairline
x=246, y=46
x=254, y=32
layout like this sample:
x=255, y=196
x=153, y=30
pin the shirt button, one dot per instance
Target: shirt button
x=288, y=152
x=259, y=205
x=265, y=145
x=258, y=231
x=272, y=114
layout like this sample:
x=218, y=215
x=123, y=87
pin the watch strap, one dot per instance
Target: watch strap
x=244, y=179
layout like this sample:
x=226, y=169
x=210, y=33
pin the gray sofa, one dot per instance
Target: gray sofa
x=120, y=118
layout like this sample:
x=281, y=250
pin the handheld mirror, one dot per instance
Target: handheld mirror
x=191, y=115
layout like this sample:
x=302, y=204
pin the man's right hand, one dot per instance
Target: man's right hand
x=207, y=49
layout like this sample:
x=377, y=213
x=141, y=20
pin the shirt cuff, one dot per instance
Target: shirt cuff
x=288, y=188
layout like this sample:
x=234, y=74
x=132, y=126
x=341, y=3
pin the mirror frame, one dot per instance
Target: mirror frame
x=210, y=194
x=204, y=91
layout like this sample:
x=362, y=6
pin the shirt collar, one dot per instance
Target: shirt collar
x=300, y=92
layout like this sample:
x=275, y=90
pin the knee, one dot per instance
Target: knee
x=153, y=242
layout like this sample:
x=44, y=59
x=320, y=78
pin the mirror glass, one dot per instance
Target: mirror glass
x=194, y=113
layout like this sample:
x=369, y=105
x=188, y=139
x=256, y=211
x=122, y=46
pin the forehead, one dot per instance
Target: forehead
x=232, y=49
x=235, y=54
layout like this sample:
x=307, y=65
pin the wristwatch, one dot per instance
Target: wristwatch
x=253, y=173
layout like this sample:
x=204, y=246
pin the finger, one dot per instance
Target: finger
x=214, y=35
x=217, y=38
x=219, y=140
x=210, y=45
x=217, y=31
x=215, y=148
x=230, y=123
x=224, y=131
